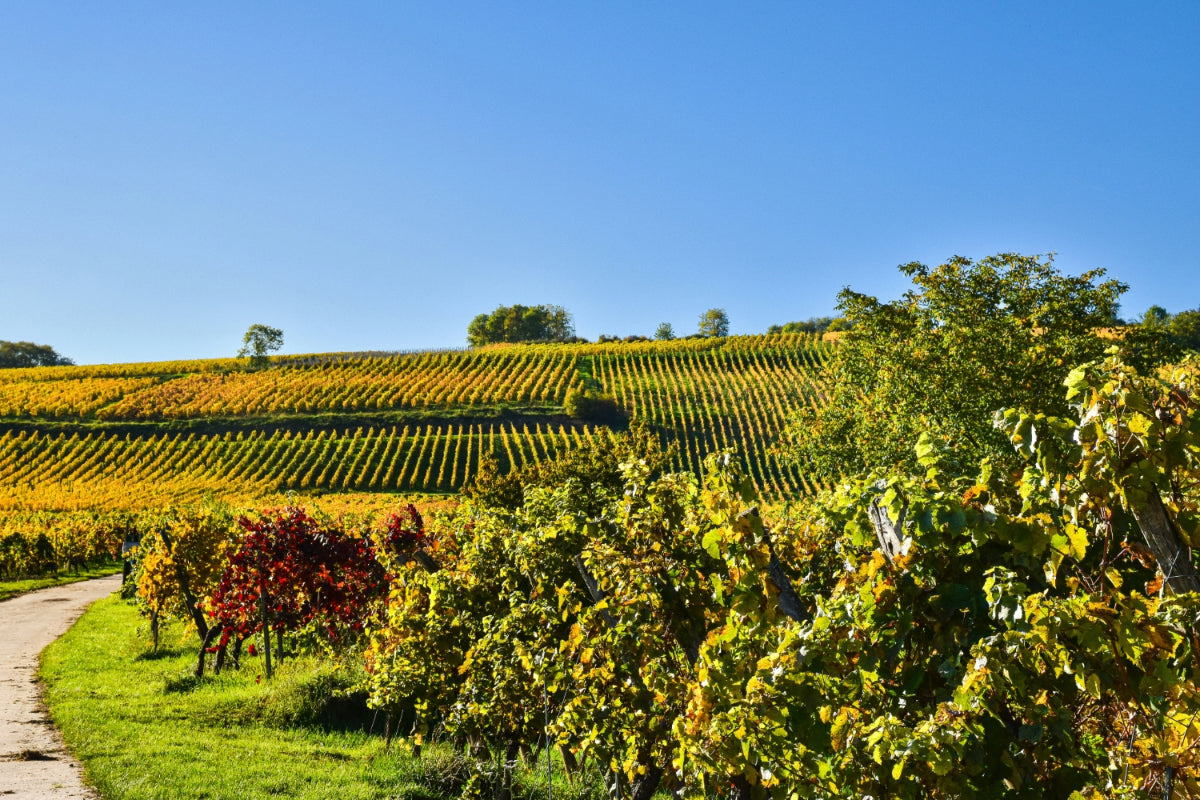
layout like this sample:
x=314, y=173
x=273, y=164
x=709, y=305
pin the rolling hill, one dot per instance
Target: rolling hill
x=142, y=435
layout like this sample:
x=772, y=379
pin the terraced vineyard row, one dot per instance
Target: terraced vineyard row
x=70, y=471
x=426, y=380
x=79, y=397
x=508, y=375
x=702, y=394
x=716, y=399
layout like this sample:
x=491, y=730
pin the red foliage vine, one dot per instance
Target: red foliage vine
x=311, y=573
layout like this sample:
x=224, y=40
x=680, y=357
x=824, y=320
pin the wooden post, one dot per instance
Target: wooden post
x=266, y=626
x=789, y=601
x=205, y=643
x=891, y=543
x=1173, y=557
x=594, y=590
x=644, y=786
x=749, y=523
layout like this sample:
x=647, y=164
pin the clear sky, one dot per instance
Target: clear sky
x=372, y=176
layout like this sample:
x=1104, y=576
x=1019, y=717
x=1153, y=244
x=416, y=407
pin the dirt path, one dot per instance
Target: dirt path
x=34, y=765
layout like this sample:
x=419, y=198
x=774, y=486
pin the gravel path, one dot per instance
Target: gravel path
x=34, y=764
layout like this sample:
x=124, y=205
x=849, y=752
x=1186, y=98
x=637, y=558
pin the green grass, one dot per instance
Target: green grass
x=12, y=588
x=144, y=728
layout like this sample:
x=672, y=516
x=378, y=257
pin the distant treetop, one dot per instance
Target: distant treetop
x=1162, y=337
x=714, y=322
x=812, y=325
x=28, y=354
x=519, y=323
x=258, y=341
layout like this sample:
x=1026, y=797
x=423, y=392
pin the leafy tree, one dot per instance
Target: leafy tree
x=517, y=323
x=714, y=322
x=28, y=354
x=258, y=342
x=1185, y=329
x=810, y=325
x=1181, y=330
x=969, y=338
x=1160, y=337
x=664, y=332
x=607, y=338
x=1156, y=317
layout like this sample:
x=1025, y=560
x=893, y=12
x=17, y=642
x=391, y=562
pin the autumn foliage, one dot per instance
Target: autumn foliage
x=180, y=559
x=292, y=573
x=947, y=633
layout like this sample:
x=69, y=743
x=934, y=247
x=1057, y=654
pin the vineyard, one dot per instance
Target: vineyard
x=713, y=400
x=189, y=390
x=119, y=437
x=186, y=468
x=648, y=612
x=664, y=636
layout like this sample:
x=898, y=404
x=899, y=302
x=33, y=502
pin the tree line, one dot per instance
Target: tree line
x=550, y=323
x=28, y=354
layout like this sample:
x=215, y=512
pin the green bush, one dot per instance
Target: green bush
x=590, y=406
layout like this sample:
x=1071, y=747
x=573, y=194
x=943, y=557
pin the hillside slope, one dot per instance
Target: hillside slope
x=144, y=434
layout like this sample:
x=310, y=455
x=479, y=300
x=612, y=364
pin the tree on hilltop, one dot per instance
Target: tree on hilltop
x=518, y=323
x=258, y=341
x=1181, y=331
x=28, y=354
x=714, y=322
x=1156, y=317
x=811, y=325
x=1185, y=329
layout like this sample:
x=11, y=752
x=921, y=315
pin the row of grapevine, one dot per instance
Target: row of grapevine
x=70, y=397
x=96, y=470
x=514, y=374
x=715, y=399
x=702, y=394
x=35, y=543
x=437, y=380
x=132, y=370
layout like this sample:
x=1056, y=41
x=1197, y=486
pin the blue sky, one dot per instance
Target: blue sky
x=372, y=176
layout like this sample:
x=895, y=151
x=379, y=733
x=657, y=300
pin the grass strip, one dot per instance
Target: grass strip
x=144, y=728
x=297, y=423
x=12, y=588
